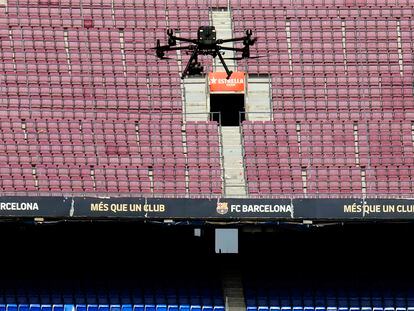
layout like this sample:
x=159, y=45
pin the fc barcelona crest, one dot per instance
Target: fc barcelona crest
x=222, y=208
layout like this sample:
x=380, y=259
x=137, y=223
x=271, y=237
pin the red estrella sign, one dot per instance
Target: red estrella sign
x=219, y=83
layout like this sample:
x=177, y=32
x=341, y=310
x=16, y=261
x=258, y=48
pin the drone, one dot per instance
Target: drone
x=205, y=44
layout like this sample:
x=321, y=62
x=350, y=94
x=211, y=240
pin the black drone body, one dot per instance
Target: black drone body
x=205, y=44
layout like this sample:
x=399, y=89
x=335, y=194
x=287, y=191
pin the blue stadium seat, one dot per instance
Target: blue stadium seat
x=92, y=307
x=46, y=307
x=251, y=308
x=150, y=307
x=11, y=307
x=195, y=308
x=126, y=307
x=81, y=307
x=184, y=307
x=219, y=308
x=34, y=307
x=115, y=308
x=23, y=307
x=173, y=308
x=161, y=307
x=138, y=307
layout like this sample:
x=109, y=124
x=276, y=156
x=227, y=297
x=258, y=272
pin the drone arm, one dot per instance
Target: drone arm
x=173, y=48
x=231, y=49
x=221, y=41
x=184, y=39
x=229, y=72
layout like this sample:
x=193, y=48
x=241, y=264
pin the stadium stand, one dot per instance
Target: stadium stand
x=93, y=270
x=83, y=99
x=85, y=109
x=133, y=266
x=323, y=270
x=266, y=297
x=148, y=295
x=341, y=92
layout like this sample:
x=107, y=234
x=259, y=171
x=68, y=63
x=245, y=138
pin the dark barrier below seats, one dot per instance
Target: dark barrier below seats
x=169, y=208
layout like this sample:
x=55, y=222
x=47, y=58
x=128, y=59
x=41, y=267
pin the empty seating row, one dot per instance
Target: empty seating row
x=248, y=4
x=122, y=179
x=86, y=79
x=80, y=109
x=328, y=156
x=98, y=114
x=93, y=307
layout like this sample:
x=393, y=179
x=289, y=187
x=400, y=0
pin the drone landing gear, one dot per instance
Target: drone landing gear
x=191, y=63
x=229, y=72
